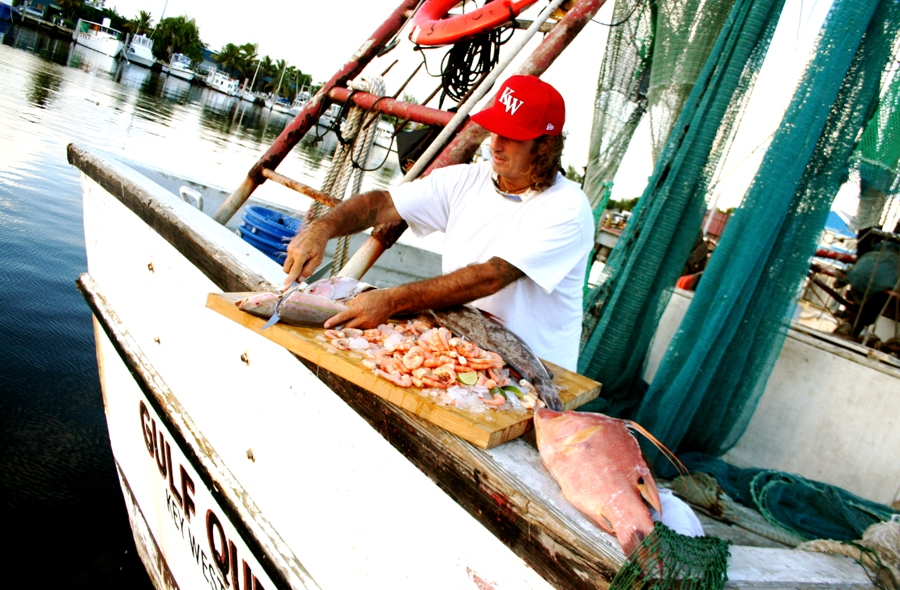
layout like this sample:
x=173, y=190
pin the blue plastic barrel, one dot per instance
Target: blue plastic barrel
x=275, y=225
x=277, y=251
x=268, y=231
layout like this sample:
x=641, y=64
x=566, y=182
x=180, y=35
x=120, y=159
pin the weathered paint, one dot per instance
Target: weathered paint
x=390, y=106
x=301, y=188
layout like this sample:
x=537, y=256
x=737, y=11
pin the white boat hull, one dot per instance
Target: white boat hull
x=179, y=73
x=110, y=47
x=139, y=59
x=295, y=480
x=350, y=509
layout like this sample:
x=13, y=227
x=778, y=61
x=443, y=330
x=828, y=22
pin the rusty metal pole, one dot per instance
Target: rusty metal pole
x=465, y=144
x=294, y=132
x=392, y=106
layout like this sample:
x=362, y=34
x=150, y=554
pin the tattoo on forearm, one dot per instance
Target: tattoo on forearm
x=506, y=272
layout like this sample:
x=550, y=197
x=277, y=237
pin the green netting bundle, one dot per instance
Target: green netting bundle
x=878, y=152
x=621, y=315
x=804, y=507
x=621, y=98
x=667, y=560
x=717, y=365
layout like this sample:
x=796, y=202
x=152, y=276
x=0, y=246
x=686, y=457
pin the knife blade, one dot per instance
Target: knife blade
x=315, y=276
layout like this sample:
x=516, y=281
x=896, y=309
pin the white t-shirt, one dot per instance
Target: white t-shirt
x=548, y=237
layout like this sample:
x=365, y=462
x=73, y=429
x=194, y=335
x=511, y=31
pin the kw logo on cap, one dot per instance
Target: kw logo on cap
x=511, y=103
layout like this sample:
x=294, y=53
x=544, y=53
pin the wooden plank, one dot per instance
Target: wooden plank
x=484, y=430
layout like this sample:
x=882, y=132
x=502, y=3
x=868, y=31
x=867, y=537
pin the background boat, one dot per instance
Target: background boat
x=222, y=82
x=140, y=51
x=180, y=67
x=99, y=37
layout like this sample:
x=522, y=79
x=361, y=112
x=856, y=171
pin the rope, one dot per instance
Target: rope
x=878, y=552
x=469, y=60
x=705, y=492
x=357, y=137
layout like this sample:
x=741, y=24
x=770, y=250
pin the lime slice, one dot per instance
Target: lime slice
x=468, y=378
x=495, y=391
x=514, y=390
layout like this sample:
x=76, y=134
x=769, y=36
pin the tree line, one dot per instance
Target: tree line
x=181, y=34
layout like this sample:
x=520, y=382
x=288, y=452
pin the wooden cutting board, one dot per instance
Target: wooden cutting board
x=485, y=430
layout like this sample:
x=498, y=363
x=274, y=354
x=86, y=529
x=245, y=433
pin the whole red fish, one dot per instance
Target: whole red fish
x=598, y=465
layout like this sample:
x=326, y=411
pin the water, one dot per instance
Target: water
x=62, y=506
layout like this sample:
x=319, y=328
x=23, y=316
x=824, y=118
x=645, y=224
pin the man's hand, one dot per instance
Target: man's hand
x=307, y=250
x=366, y=310
x=373, y=308
x=305, y=253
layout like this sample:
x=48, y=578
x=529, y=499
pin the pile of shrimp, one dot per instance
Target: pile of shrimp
x=415, y=354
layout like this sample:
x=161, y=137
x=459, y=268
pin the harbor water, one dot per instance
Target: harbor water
x=60, y=494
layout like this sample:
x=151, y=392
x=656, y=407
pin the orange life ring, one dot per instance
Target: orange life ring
x=431, y=28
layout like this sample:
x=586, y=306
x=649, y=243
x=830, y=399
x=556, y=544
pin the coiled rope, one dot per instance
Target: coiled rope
x=347, y=164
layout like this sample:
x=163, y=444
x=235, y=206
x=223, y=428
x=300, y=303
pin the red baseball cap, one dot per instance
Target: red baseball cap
x=526, y=107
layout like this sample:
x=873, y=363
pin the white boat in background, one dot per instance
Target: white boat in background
x=298, y=105
x=280, y=106
x=223, y=83
x=99, y=37
x=384, y=134
x=140, y=51
x=329, y=116
x=180, y=67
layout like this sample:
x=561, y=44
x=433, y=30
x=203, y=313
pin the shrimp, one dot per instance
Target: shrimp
x=374, y=335
x=341, y=343
x=497, y=400
x=414, y=358
x=401, y=380
x=446, y=373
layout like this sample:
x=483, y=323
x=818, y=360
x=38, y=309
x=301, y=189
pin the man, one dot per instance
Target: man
x=517, y=233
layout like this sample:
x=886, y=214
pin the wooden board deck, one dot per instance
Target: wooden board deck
x=484, y=430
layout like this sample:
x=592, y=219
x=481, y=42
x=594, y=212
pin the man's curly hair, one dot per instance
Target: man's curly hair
x=546, y=160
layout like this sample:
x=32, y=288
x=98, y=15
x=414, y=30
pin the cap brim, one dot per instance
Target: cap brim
x=502, y=126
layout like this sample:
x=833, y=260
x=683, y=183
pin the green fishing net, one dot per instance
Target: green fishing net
x=878, y=152
x=654, y=54
x=666, y=559
x=806, y=508
x=621, y=98
x=717, y=365
x=622, y=313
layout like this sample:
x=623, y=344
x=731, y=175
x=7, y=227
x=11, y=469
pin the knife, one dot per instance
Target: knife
x=315, y=276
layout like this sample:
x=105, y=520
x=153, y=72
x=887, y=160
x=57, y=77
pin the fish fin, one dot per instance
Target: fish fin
x=647, y=487
x=632, y=543
x=604, y=524
x=491, y=316
x=662, y=448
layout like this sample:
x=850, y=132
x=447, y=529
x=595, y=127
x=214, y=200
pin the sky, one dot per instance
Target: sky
x=320, y=37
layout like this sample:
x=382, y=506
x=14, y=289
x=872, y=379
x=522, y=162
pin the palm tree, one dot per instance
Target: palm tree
x=142, y=23
x=266, y=70
x=248, y=54
x=230, y=57
x=279, y=79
